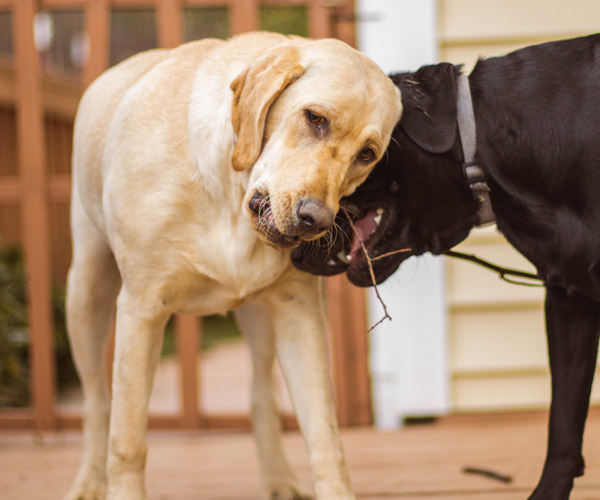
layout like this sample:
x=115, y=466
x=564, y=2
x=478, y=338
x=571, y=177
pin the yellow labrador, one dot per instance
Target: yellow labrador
x=195, y=172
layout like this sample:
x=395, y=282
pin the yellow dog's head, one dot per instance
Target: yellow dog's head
x=312, y=118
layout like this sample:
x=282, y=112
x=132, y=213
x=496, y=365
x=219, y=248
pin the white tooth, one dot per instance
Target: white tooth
x=379, y=211
x=349, y=257
x=377, y=219
x=331, y=262
x=343, y=257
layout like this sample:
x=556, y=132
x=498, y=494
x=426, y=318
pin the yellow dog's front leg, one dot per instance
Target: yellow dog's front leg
x=301, y=346
x=279, y=479
x=138, y=343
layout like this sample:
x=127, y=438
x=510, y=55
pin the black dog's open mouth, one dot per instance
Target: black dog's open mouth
x=367, y=230
x=355, y=232
x=264, y=223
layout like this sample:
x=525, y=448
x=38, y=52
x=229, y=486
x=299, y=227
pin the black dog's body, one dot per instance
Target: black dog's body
x=537, y=113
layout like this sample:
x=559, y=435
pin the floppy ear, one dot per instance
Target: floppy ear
x=254, y=90
x=429, y=106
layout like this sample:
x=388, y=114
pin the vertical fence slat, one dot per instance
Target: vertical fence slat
x=97, y=27
x=187, y=328
x=170, y=23
x=345, y=27
x=36, y=235
x=319, y=19
x=244, y=16
x=346, y=311
x=335, y=324
x=346, y=314
x=188, y=340
x=355, y=354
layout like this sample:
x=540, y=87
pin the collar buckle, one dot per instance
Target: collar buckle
x=474, y=175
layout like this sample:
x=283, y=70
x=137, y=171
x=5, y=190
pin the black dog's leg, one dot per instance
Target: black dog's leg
x=572, y=325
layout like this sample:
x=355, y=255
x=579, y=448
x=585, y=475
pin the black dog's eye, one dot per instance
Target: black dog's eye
x=394, y=187
x=315, y=119
x=366, y=154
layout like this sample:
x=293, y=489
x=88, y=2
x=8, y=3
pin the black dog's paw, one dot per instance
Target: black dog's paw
x=557, y=479
x=557, y=489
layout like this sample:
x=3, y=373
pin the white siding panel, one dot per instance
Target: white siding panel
x=507, y=393
x=469, y=54
x=501, y=394
x=496, y=338
x=471, y=285
x=498, y=341
x=461, y=19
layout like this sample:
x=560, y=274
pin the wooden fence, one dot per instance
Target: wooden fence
x=36, y=115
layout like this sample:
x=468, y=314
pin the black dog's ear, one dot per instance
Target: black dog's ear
x=429, y=106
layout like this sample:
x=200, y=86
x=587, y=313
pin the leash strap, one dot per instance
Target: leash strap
x=524, y=278
x=474, y=174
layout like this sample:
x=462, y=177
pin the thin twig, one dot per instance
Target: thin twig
x=371, y=272
x=504, y=478
x=389, y=254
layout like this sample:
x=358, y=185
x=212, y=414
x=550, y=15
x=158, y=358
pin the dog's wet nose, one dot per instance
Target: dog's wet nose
x=313, y=216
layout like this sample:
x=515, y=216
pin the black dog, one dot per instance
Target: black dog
x=537, y=115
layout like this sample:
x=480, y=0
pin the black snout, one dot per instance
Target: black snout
x=313, y=216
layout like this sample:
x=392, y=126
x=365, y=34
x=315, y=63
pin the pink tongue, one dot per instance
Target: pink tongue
x=365, y=227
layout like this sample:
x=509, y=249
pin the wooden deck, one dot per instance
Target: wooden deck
x=417, y=462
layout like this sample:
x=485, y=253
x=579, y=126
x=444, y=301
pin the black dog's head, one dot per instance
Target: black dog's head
x=416, y=198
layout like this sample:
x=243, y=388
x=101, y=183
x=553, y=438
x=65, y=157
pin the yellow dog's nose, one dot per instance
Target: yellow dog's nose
x=313, y=217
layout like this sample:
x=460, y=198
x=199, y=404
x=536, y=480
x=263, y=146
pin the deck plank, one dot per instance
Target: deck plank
x=414, y=463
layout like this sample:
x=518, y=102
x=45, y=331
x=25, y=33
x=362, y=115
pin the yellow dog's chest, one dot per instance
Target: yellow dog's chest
x=221, y=272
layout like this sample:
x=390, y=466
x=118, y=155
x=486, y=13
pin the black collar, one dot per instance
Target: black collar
x=474, y=174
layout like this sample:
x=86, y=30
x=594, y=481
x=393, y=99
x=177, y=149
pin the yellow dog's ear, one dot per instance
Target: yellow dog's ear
x=254, y=90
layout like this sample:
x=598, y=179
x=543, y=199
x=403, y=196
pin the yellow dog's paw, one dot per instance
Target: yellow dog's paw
x=86, y=491
x=287, y=492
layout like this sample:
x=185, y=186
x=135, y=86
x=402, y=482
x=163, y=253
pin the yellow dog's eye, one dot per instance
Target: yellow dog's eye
x=315, y=119
x=366, y=154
